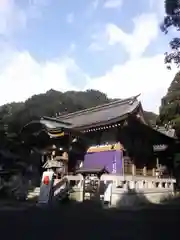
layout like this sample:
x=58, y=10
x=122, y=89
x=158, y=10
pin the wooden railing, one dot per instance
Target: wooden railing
x=128, y=170
x=131, y=169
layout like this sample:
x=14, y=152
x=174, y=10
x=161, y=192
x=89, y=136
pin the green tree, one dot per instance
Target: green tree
x=170, y=105
x=172, y=19
x=6, y=113
x=52, y=103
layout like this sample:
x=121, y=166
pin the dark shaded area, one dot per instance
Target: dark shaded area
x=136, y=198
x=88, y=220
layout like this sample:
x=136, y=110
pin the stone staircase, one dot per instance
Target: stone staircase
x=33, y=194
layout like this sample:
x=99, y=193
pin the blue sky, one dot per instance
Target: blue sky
x=114, y=46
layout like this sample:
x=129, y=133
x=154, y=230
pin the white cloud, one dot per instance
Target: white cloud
x=13, y=17
x=147, y=76
x=144, y=32
x=158, y=8
x=70, y=17
x=140, y=74
x=135, y=43
x=113, y=3
x=22, y=76
x=99, y=42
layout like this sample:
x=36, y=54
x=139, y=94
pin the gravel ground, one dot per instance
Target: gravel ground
x=84, y=221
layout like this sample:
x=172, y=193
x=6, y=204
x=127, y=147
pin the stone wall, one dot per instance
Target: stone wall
x=130, y=191
x=116, y=191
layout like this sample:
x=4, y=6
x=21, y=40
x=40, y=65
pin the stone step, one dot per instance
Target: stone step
x=34, y=193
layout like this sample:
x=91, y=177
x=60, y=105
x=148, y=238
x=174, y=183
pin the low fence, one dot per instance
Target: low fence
x=123, y=190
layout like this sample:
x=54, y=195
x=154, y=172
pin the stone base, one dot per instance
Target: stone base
x=139, y=198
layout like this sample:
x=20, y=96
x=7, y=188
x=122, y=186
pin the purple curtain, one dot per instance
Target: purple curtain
x=111, y=160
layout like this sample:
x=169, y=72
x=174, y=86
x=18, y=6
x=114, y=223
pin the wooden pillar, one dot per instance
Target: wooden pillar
x=100, y=138
x=68, y=152
x=157, y=162
x=65, y=156
x=123, y=172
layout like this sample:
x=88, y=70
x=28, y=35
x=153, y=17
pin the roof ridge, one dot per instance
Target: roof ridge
x=55, y=120
x=101, y=106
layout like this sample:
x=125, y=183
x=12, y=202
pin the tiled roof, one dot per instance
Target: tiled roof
x=47, y=124
x=94, y=117
x=101, y=114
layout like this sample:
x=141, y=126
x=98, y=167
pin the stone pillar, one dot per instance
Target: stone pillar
x=153, y=172
x=145, y=184
x=150, y=184
x=126, y=185
x=171, y=186
x=132, y=185
x=144, y=171
x=133, y=169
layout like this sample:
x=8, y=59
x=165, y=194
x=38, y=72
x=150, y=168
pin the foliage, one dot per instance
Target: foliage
x=15, y=115
x=172, y=19
x=170, y=105
x=151, y=117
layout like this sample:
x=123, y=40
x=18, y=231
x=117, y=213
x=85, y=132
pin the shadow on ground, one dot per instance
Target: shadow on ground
x=88, y=220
